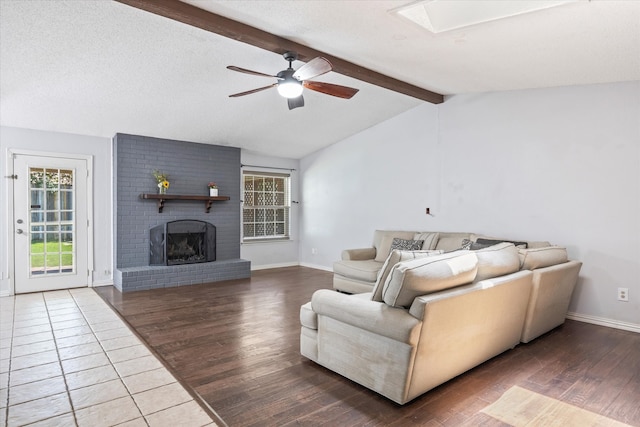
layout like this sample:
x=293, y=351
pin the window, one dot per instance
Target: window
x=265, y=212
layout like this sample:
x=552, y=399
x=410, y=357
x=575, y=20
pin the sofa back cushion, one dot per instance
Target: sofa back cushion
x=395, y=257
x=430, y=239
x=497, y=260
x=409, y=279
x=382, y=240
x=530, y=259
x=450, y=241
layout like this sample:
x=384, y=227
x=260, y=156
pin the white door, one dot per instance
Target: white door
x=50, y=223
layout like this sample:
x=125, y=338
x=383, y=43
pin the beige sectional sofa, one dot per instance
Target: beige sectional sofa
x=435, y=312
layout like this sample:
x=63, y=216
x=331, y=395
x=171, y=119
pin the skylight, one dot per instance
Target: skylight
x=444, y=15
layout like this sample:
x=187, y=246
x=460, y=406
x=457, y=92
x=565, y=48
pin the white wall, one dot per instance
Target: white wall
x=52, y=142
x=383, y=177
x=559, y=164
x=280, y=253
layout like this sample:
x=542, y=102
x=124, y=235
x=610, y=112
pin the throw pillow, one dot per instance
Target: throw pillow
x=383, y=249
x=530, y=259
x=468, y=245
x=395, y=257
x=409, y=279
x=430, y=239
x=497, y=260
x=406, y=245
x=490, y=242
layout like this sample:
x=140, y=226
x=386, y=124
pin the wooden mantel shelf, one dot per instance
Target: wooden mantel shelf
x=161, y=198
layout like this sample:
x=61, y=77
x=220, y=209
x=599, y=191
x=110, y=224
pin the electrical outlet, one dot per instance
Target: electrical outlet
x=314, y=251
x=623, y=294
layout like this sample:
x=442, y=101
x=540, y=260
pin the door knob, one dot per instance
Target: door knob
x=19, y=231
x=19, y=221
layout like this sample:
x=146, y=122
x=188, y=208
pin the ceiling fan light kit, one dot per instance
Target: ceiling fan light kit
x=289, y=86
x=291, y=82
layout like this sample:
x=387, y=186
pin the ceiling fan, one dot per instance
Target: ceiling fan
x=291, y=82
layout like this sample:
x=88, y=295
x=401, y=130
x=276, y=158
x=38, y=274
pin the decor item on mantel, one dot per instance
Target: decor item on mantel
x=163, y=181
x=213, y=189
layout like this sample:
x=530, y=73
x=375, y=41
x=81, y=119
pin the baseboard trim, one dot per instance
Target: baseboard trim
x=290, y=264
x=601, y=321
x=316, y=266
x=270, y=266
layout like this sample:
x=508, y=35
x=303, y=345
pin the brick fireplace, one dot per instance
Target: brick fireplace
x=189, y=167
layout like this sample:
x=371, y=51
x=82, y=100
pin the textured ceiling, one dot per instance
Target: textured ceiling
x=101, y=67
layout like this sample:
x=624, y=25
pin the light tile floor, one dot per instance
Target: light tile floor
x=66, y=359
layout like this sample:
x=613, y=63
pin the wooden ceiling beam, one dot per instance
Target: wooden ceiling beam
x=208, y=21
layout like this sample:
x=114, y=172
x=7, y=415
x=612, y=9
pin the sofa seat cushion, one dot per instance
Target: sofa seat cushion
x=366, y=270
x=497, y=260
x=409, y=279
x=530, y=259
x=395, y=257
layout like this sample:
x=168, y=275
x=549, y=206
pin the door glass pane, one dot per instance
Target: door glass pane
x=52, y=227
x=53, y=200
x=37, y=216
x=66, y=179
x=37, y=178
x=37, y=264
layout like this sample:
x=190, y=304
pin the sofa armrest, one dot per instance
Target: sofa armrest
x=372, y=316
x=550, y=297
x=359, y=254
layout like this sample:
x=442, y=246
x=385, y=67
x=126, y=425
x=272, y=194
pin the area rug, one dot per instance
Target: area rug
x=520, y=407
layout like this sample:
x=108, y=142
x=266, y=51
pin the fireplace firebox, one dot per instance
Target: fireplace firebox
x=182, y=242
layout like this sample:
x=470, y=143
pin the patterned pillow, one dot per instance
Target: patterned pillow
x=406, y=245
x=489, y=242
x=468, y=245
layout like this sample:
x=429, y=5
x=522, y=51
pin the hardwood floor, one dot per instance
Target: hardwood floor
x=237, y=344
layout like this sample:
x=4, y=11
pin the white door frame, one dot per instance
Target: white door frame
x=11, y=221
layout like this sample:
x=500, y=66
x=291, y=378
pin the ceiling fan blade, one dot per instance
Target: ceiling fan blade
x=249, y=92
x=331, y=89
x=244, y=70
x=295, y=102
x=313, y=68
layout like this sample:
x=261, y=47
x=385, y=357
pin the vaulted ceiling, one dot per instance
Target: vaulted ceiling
x=101, y=67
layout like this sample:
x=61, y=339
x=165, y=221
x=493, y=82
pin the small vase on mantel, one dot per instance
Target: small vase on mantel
x=213, y=189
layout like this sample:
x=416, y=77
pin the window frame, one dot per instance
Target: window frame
x=256, y=204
